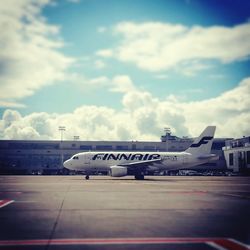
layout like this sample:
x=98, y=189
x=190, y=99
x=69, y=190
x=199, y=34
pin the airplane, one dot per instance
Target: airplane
x=119, y=164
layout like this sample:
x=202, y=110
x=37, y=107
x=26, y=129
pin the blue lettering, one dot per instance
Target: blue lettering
x=137, y=157
x=113, y=157
x=154, y=157
x=145, y=157
x=124, y=157
x=105, y=157
x=97, y=157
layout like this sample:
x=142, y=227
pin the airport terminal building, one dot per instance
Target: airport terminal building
x=47, y=157
x=237, y=155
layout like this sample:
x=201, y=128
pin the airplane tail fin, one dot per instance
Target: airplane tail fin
x=202, y=144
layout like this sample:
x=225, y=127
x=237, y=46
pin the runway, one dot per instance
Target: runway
x=69, y=212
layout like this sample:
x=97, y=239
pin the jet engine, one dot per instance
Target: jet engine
x=117, y=171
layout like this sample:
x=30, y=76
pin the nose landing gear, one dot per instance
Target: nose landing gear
x=87, y=177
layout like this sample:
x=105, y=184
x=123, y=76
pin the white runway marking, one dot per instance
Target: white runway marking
x=4, y=203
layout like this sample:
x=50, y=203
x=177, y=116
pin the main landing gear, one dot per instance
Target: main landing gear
x=87, y=177
x=139, y=176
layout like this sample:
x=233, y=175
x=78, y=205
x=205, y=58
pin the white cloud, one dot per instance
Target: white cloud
x=99, y=64
x=226, y=111
x=122, y=84
x=158, y=46
x=143, y=117
x=161, y=76
x=192, y=67
x=102, y=80
x=101, y=29
x=24, y=133
x=29, y=57
x=135, y=100
x=105, y=53
x=9, y=117
x=119, y=83
x=11, y=104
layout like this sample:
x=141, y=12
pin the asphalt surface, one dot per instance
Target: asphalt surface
x=69, y=212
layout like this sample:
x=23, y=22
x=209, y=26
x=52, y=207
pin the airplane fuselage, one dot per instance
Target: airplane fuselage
x=89, y=161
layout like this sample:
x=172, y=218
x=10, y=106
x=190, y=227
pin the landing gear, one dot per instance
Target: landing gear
x=139, y=176
x=87, y=177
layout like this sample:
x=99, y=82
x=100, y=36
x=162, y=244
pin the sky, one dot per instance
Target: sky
x=124, y=69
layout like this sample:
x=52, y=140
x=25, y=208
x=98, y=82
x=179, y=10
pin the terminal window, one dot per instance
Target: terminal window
x=118, y=147
x=104, y=147
x=231, y=159
x=86, y=147
x=248, y=157
x=218, y=145
x=150, y=148
x=34, y=145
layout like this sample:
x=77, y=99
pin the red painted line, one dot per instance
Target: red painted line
x=226, y=244
x=98, y=241
x=10, y=192
x=4, y=203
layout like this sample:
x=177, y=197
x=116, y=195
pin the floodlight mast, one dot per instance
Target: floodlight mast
x=76, y=137
x=61, y=129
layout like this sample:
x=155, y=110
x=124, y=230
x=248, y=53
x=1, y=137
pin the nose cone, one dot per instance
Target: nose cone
x=68, y=164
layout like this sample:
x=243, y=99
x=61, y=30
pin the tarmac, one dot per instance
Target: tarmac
x=167, y=212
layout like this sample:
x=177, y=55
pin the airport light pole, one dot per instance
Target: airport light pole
x=76, y=137
x=61, y=129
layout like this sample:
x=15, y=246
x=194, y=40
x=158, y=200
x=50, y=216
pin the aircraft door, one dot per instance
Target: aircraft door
x=184, y=160
x=87, y=159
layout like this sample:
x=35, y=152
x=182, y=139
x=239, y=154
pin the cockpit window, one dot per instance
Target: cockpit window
x=75, y=158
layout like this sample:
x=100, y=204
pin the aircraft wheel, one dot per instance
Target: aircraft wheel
x=87, y=177
x=139, y=176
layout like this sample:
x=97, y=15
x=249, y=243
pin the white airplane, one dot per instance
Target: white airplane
x=120, y=164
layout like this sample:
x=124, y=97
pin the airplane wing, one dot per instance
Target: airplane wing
x=135, y=167
x=140, y=163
